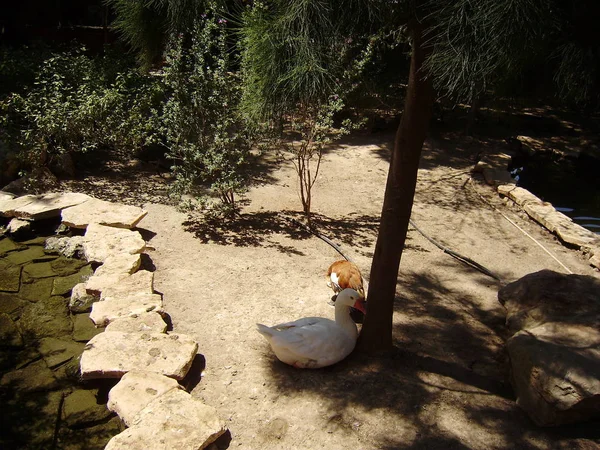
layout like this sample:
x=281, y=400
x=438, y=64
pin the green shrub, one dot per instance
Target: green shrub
x=79, y=103
x=207, y=138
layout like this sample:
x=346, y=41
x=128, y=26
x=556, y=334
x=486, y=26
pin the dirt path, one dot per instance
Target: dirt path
x=443, y=386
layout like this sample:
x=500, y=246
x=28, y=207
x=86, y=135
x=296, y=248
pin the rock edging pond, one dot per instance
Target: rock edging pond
x=122, y=298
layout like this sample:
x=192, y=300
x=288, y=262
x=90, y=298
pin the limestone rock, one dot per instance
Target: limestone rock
x=4, y=196
x=173, y=421
x=81, y=407
x=81, y=301
x=135, y=391
x=83, y=328
x=9, y=333
x=546, y=215
x=111, y=308
x=141, y=282
x=139, y=323
x=114, y=269
x=575, y=234
x=102, y=241
x=517, y=194
x=112, y=354
x=548, y=296
x=36, y=207
x=555, y=369
x=555, y=351
x=58, y=351
x=16, y=226
x=102, y=212
x=69, y=247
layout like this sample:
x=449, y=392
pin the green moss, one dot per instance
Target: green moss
x=38, y=270
x=8, y=245
x=67, y=266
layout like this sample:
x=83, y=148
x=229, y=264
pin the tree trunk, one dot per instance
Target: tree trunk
x=376, y=334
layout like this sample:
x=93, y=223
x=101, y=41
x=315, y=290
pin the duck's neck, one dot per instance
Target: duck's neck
x=343, y=319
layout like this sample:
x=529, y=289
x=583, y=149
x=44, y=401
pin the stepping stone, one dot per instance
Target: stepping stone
x=114, y=269
x=49, y=318
x=141, y=282
x=25, y=256
x=81, y=301
x=135, y=391
x=35, y=207
x=8, y=245
x=37, y=290
x=139, y=323
x=107, y=310
x=102, y=241
x=104, y=213
x=175, y=420
x=113, y=354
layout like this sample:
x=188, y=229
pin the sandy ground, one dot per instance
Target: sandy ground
x=444, y=385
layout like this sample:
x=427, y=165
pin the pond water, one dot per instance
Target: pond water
x=571, y=184
x=45, y=405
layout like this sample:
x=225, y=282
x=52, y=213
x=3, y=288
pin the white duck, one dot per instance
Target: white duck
x=315, y=342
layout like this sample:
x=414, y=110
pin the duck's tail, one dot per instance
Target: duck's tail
x=264, y=330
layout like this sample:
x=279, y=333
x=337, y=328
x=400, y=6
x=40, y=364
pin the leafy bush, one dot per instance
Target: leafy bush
x=207, y=138
x=78, y=103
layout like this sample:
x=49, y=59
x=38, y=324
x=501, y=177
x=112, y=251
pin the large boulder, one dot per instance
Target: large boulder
x=555, y=349
x=104, y=213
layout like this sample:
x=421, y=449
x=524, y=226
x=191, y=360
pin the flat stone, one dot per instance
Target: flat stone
x=112, y=354
x=9, y=332
x=595, y=260
x=36, y=290
x=83, y=328
x=8, y=245
x=64, y=285
x=102, y=212
x=36, y=207
x=58, y=351
x=173, y=421
x=18, y=225
x=114, y=269
x=39, y=270
x=32, y=378
x=25, y=256
x=102, y=241
x=66, y=246
x=111, y=308
x=6, y=196
x=11, y=277
x=67, y=266
x=135, y=391
x=546, y=215
x=139, y=323
x=141, y=282
x=81, y=407
x=40, y=240
x=81, y=301
x=517, y=194
x=555, y=369
x=575, y=234
x=49, y=318
x=11, y=305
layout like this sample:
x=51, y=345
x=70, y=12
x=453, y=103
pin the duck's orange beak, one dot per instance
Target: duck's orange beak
x=361, y=305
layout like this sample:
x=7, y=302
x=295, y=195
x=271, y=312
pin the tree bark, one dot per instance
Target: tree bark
x=376, y=334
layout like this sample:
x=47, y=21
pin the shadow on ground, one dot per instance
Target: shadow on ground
x=443, y=385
